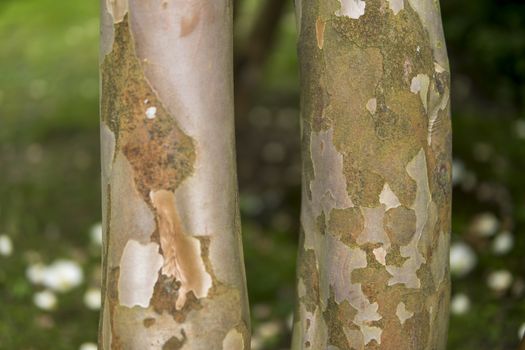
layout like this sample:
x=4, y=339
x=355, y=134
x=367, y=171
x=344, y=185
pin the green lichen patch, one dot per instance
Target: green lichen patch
x=400, y=225
x=393, y=257
x=161, y=155
x=402, y=39
x=308, y=272
x=346, y=224
x=337, y=317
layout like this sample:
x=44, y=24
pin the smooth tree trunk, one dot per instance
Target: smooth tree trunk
x=373, y=262
x=172, y=261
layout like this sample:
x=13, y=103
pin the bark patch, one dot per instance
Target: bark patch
x=161, y=155
x=182, y=253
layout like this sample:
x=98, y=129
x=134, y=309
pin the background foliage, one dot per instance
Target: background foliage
x=49, y=170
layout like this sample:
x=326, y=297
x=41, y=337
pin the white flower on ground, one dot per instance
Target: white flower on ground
x=485, y=224
x=499, y=280
x=256, y=342
x=261, y=311
x=93, y=298
x=503, y=243
x=458, y=171
x=520, y=128
x=35, y=273
x=88, y=346
x=6, y=246
x=95, y=232
x=462, y=259
x=268, y=330
x=469, y=181
x=60, y=276
x=482, y=151
x=45, y=300
x=63, y=275
x=460, y=304
x=518, y=287
x=521, y=331
x=289, y=321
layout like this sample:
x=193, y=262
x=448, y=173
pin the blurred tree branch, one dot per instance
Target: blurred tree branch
x=235, y=13
x=252, y=54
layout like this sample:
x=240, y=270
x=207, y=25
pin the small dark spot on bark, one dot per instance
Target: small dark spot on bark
x=384, y=121
x=188, y=24
x=148, y=322
x=175, y=343
x=165, y=295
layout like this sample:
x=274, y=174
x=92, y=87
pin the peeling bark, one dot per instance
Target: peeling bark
x=173, y=266
x=376, y=134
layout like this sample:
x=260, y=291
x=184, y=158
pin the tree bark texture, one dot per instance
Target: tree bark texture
x=173, y=264
x=376, y=136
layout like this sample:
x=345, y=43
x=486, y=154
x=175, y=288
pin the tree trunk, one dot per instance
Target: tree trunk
x=173, y=265
x=373, y=263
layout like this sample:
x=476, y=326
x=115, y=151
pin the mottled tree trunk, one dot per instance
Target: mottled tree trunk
x=373, y=262
x=173, y=264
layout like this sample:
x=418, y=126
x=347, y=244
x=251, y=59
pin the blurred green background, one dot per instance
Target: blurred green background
x=49, y=170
